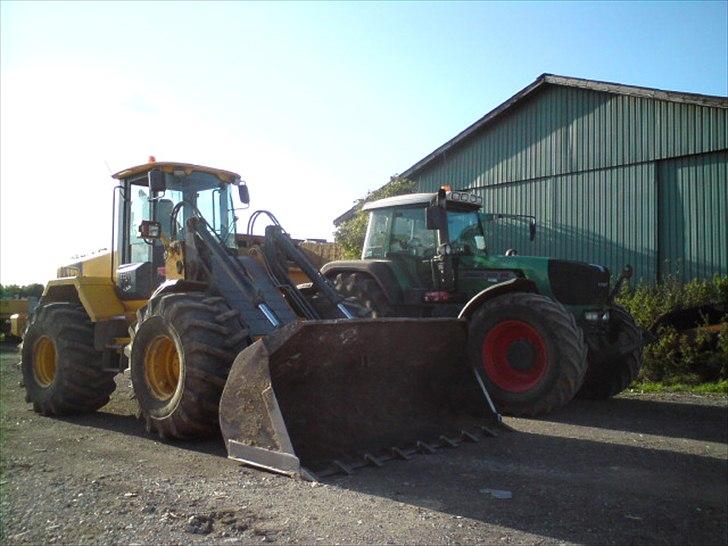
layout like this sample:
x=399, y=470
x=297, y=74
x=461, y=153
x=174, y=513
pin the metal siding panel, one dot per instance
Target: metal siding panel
x=693, y=213
x=601, y=217
x=562, y=130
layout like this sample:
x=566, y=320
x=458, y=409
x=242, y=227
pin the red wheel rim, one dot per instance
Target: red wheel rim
x=514, y=356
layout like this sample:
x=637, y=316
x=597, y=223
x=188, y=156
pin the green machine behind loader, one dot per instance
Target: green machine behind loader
x=541, y=330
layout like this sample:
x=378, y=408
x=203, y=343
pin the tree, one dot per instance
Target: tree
x=11, y=291
x=350, y=233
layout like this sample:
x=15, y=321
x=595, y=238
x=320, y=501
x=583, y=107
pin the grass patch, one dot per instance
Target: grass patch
x=718, y=387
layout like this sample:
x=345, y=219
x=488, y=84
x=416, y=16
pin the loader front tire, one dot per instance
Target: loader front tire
x=182, y=348
x=62, y=372
x=529, y=352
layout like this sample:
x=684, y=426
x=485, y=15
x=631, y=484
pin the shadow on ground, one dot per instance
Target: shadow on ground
x=129, y=425
x=615, y=490
x=648, y=416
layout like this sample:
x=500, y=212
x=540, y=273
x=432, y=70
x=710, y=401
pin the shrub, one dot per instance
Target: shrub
x=691, y=357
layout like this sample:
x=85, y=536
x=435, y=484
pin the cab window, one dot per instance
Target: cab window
x=410, y=234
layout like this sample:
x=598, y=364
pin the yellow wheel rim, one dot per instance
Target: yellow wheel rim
x=44, y=361
x=161, y=367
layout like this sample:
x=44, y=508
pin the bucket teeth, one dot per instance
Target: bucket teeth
x=399, y=454
x=488, y=431
x=395, y=453
x=343, y=468
x=425, y=448
x=368, y=457
x=448, y=442
x=469, y=436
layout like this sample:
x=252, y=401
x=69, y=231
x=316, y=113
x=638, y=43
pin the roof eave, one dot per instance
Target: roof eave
x=566, y=81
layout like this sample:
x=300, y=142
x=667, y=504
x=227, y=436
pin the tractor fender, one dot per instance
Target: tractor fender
x=379, y=270
x=519, y=284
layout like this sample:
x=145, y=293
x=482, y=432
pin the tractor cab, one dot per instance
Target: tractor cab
x=408, y=225
x=153, y=203
x=422, y=233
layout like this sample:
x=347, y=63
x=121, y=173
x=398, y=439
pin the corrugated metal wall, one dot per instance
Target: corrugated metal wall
x=576, y=217
x=693, y=215
x=587, y=164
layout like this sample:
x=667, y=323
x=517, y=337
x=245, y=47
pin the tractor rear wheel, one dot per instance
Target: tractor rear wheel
x=529, y=352
x=182, y=348
x=614, y=360
x=365, y=291
x=62, y=372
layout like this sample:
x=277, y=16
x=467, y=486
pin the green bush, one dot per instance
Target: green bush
x=688, y=358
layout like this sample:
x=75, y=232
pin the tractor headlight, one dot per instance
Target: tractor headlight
x=455, y=196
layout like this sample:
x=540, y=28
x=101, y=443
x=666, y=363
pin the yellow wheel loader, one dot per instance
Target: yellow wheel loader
x=222, y=342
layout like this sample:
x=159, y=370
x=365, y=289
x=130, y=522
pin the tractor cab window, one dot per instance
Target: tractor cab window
x=465, y=231
x=377, y=234
x=410, y=234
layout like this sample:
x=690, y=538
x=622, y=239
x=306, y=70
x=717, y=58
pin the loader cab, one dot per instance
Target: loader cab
x=167, y=194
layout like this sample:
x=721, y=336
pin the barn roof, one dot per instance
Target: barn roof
x=566, y=81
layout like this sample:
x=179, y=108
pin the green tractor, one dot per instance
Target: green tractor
x=541, y=330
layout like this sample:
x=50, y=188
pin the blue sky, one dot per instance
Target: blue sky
x=314, y=104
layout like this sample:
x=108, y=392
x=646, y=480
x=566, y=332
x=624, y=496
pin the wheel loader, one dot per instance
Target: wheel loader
x=216, y=341
x=541, y=330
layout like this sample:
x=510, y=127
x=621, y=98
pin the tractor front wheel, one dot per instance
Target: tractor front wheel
x=182, y=349
x=365, y=291
x=529, y=352
x=615, y=359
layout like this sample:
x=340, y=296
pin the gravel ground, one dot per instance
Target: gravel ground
x=636, y=469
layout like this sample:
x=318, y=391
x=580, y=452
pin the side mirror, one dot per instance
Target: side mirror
x=149, y=229
x=156, y=182
x=532, y=230
x=434, y=217
x=244, y=193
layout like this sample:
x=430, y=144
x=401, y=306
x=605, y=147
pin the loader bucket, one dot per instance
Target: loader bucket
x=317, y=395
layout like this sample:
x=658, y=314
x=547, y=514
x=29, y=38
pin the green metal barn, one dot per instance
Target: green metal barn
x=615, y=174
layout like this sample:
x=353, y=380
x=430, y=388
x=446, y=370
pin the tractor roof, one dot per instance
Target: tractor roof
x=173, y=167
x=421, y=199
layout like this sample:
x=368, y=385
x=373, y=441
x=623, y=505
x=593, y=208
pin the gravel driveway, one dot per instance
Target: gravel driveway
x=636, y=469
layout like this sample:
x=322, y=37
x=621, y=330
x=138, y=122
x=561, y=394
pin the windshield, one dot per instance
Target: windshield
x=465, y=231
x=202, y=191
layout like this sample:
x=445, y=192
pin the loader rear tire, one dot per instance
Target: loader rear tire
x=365, y=291
x=529, y=352
x=182, y=348
x=62, y=372
x=609, y=375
